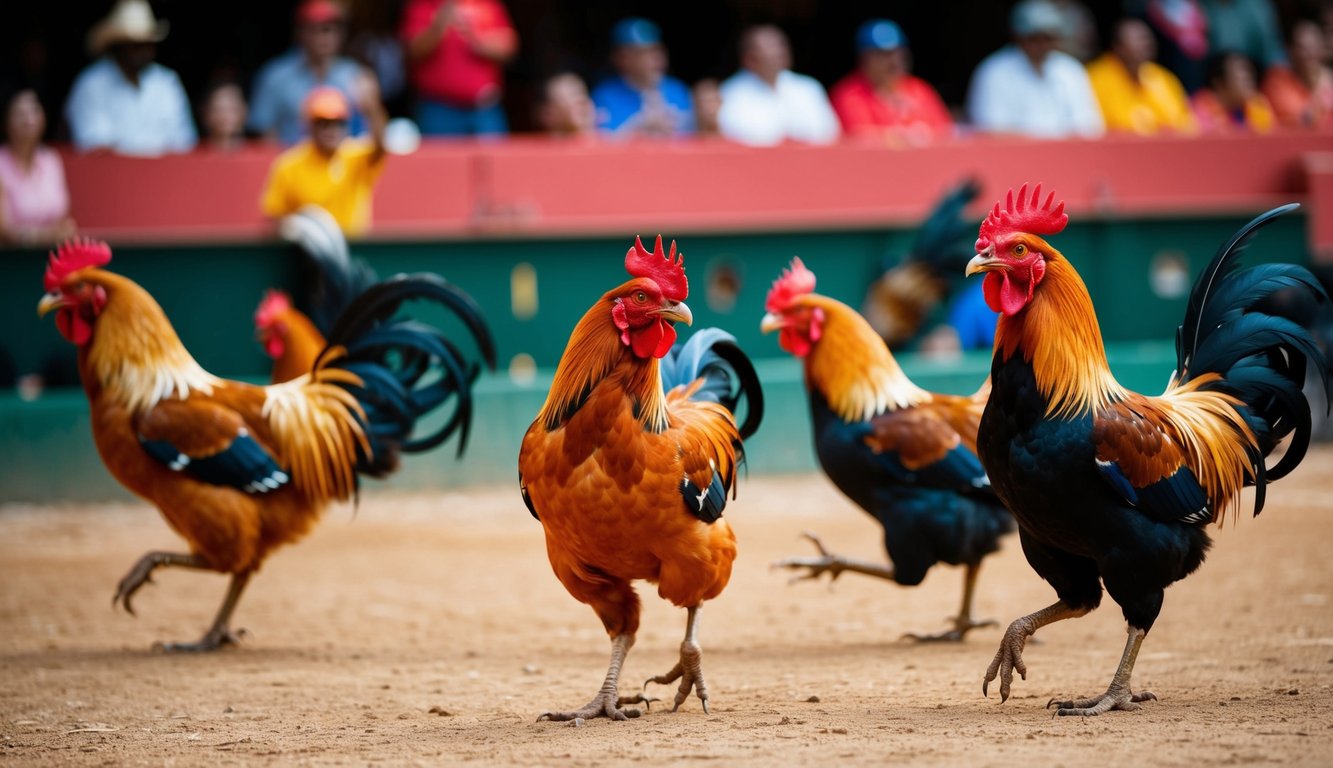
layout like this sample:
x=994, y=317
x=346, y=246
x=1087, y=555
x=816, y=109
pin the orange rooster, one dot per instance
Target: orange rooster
x=1110, y=487
x=238, y=470
x=629, y=478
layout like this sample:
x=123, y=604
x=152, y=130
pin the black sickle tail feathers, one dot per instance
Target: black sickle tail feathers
x=408, y=368
x=728, y=374
x=1262, y=356
x=944, y=241
x=338, y=277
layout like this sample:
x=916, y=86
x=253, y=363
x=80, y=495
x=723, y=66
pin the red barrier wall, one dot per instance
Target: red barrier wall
x=543, y=188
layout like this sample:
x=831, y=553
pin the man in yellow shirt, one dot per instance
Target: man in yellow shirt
x=329, y=169
x=1136, y=94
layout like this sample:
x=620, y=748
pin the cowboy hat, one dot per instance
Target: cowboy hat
x=130, y=21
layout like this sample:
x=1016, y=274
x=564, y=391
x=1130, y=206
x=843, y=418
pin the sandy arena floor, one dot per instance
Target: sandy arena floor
x=429, y=630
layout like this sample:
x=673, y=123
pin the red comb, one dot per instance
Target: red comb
x=667, y=270
x=73, y=255
x=794, y=281
x=275, y=302
x=1023, y=215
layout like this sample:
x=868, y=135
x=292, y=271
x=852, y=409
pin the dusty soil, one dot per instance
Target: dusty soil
x=429, y=630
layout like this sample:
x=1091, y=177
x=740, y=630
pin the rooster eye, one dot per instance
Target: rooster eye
x=640, y=297
x=1020, y=250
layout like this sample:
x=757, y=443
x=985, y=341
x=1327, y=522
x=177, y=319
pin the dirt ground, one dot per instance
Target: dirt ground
x=430, y=630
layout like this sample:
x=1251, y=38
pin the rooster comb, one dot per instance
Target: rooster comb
x=665, y=269
x=1024, y=214
x=274, y=303
x=73, y=255
x=794, y=281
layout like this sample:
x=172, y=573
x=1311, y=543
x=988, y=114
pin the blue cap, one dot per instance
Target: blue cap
x=880, y=35
x=635, y=31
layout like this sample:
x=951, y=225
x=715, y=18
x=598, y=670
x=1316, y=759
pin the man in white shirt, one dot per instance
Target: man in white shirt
x=1030, y=88
x=124, y=101
x=766, y=103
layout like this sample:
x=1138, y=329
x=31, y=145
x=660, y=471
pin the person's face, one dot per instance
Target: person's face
x=1135, y=44
x=767, y=54
x=881, y=67
x=327, y=134
x=321, y=40
x=644, y=64
x=26, y=120
x=1038, y=46
x=707, y=99
x=224, y=115
x=133, y=57
x=568, y=108
x=1237, y=84
x=1307, y=44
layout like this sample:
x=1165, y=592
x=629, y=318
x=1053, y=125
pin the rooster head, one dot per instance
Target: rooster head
x=645, y=307
x=271, y=323
x=73, y=288
x=799, y=323
x=1010, y=250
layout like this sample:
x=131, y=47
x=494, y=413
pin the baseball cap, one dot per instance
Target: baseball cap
x=318, y=12
x=1036, y=17
x=880, y=35
x=635, y=31
x=326, y=103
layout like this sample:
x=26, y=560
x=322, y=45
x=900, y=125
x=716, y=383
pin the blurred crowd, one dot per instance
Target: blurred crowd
x=1179, y=66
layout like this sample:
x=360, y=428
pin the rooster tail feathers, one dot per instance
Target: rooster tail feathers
x=339, y=277
x=405, y=369
x=1260, y=357
x=944, y=240
x=713, y=355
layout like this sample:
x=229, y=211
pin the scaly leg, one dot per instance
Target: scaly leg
x=142, y=573
x=832, y=564
x=689, y=670
x=607, y=703
x=220, y=633
x=1010, y=655
x=1118, y=695
x=964, y=622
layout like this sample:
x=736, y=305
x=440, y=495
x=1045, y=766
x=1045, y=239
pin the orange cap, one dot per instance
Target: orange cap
x=326, y=103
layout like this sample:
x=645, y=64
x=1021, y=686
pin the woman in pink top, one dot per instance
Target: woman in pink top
x=34, y=203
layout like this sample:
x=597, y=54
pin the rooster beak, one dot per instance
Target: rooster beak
x=49, y=302
x=983, y=262
x=770, y=323
x=678, y=312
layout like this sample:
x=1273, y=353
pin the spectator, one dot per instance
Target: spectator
x=642, y=99
x=458, y=49
x=283, y=83
x=882, y=97
x=34, y=202
x=1181, y=30
x=223, y=117
x=1029, y=87
x=125, y=101
x=766, y=103
x=330, y=170
x=707, y=95
x=1136, y=94
x=1248, y=27
x=1232, y=101
x=565, y=109
x=1302, y=93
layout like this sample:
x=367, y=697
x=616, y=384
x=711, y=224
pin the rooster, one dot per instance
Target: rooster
x=238, y=470
x=905, y=455
x=898, y=302
x=1108, y=485
x=629, y=463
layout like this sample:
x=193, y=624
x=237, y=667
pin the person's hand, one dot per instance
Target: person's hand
x=366, y=91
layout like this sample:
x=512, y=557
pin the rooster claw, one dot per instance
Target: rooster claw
x=1008, y=660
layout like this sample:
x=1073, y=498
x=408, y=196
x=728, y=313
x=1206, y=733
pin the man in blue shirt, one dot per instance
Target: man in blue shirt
x=642, y=99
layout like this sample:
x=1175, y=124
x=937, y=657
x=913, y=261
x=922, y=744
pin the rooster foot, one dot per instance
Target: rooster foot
x=961, y=626
x=1125, y=700
x=605, y=704
x=827, y=562
x=216, y=639
x=689, y=671
x=1009, y=658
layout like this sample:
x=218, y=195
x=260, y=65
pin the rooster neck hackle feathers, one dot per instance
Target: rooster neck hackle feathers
x=852, y=367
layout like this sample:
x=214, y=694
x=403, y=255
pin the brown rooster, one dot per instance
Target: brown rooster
x=238, y=470
x=629, y=463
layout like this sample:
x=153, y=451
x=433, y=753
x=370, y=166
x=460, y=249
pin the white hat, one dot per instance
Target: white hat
x=130, y=21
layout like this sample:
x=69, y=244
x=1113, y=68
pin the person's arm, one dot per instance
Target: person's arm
x=496, y=40
x=37, y=235
x=422, y=42
x=1087, y=112
x=368, y=102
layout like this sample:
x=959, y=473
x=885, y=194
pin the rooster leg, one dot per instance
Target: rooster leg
x=220, y=633
x=142, y=573
x=1118, y=695
x=689, y=670
x=833, y=565
x=1010, y=655
x=964, y=622
x=607, y=703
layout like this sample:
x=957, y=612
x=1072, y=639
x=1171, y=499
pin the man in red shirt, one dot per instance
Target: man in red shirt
x=457, y=50
x=882, y=98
